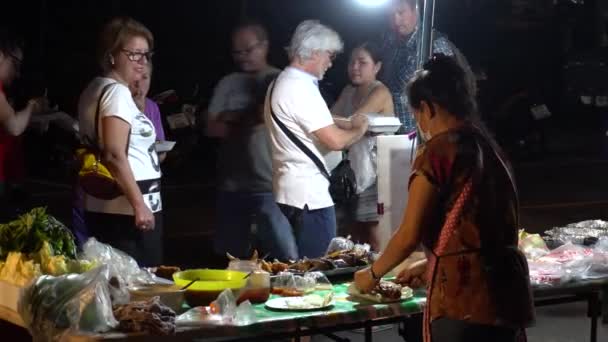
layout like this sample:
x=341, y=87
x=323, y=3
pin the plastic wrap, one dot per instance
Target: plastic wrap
x=362, y=156
x=320, y=279
x=123, y=268
x=563, y=264
x=533, y=246
x=305, y=284
x=54, y=306
x=599, y=261
x=546, y=274
x=223, y=310
x=577, y=233
x=338, y=244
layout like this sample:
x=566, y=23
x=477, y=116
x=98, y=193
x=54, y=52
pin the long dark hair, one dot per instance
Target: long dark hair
x=374, y=50
x=443, y=81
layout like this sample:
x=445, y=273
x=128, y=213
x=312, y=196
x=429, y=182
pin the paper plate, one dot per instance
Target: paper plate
x=295, y=304
x=164, y=146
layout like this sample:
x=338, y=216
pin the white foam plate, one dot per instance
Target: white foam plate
x=295, y=304
x=164, y=146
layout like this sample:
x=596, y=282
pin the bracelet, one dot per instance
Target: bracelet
x=371, y=270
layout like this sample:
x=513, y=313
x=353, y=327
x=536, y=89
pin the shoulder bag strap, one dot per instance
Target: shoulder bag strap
x=104, y=90
x=96, y=144
x=295, y=139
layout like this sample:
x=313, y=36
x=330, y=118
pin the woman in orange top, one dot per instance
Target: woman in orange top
x=463, y=208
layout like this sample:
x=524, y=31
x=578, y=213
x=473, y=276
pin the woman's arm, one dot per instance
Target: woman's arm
x=115, y=138
x=13, y=122
x=421, y=202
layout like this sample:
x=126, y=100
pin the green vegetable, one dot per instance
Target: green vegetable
x=28, y=233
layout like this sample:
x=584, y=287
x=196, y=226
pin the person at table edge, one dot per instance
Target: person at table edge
x=463, y=208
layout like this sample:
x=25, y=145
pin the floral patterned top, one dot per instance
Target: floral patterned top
x=478, y=275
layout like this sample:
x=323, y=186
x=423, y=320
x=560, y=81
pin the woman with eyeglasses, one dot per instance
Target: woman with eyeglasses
x=110, y=119
x=12, y=123
x=463, y=208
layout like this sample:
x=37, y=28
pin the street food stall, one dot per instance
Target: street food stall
x=102, y=294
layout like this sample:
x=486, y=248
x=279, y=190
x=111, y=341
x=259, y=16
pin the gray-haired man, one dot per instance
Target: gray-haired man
x=294, y=101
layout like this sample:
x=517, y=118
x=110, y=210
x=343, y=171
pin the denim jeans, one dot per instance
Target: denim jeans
x=238, y=212
x=313, y=229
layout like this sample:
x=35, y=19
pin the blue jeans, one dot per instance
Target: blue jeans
x=313, y=229
x=238, y=212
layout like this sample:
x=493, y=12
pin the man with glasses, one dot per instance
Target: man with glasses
x=248, y=216
x=11, y=57
x=13, y=123
x=302, y=130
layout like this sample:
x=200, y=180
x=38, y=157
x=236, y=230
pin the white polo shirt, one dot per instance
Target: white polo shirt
x=297, y=102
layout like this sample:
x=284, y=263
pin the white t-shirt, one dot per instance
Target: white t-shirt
x=297, y=102
x=118, y=102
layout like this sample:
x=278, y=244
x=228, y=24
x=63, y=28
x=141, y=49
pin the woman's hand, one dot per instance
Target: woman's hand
x=364, y=281
x=144, y=218
x=413, y=274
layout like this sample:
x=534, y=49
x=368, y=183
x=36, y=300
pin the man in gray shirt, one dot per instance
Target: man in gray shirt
x=245, y=196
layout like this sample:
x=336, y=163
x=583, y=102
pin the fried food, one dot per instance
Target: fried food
x=388, y=289
x=166, y=272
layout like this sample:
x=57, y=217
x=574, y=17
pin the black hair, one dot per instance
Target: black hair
x=374, y=50
x=443, y=81
x=254, y=25
x=9, y=42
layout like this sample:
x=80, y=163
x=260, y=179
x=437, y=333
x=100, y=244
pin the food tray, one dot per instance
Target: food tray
x=342, y=273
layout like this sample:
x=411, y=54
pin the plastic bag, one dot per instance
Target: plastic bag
x=123, y=268
x=321, y=281
x=362, y=156
x=338, y=244
x=304, y=284
x=568, y=253
x=547, y=273
x=54, y=306
x=533, y=246
x=598, y=267
x=221, y=311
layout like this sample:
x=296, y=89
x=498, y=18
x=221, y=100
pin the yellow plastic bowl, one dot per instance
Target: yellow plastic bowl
x=210, y=284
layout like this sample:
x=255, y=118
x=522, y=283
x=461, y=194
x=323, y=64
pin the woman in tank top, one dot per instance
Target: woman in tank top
x=364, y=95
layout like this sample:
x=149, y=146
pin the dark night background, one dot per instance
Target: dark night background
x=533, y=52
x=516, y=41
x=552, y=52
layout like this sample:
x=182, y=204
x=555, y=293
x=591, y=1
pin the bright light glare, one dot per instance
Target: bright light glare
x=372, y=3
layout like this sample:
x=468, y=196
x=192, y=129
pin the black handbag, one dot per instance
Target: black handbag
x=342, y=180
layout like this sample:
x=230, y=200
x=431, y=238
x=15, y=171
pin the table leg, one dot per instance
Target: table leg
x=368, y=332
x=298, y=337
x=604, y=300
x=594, y=311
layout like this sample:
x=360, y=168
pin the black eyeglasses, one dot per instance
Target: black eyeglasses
x=135, y=56
x=246, y=52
